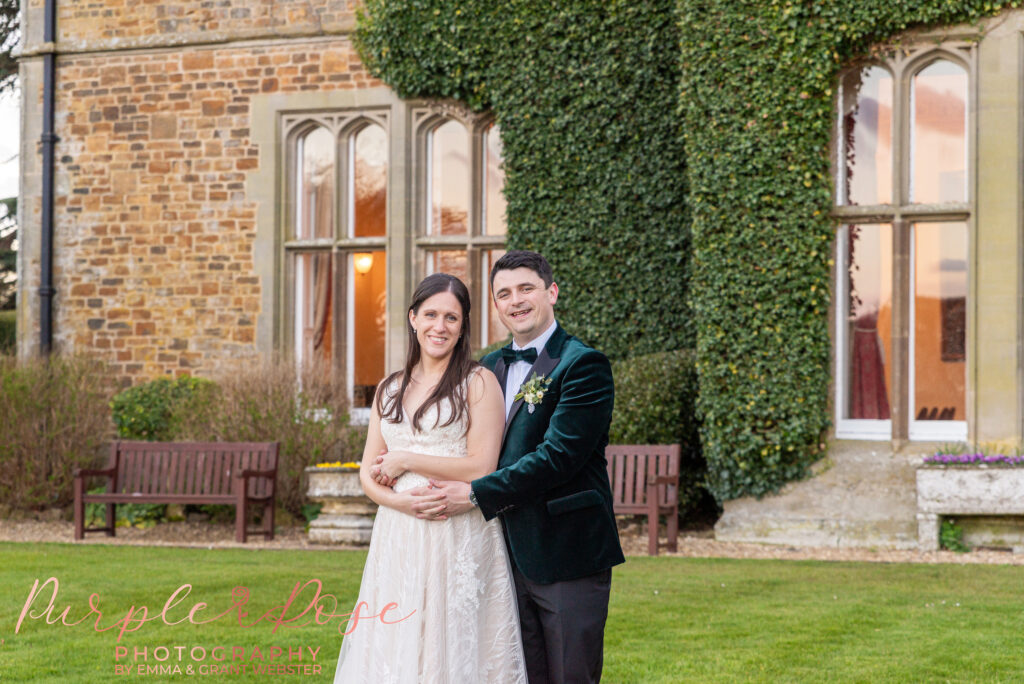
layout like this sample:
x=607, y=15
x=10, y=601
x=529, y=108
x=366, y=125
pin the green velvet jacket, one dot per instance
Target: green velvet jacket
x=551, y=487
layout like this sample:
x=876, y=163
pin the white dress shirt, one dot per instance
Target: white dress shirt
x=517, y=371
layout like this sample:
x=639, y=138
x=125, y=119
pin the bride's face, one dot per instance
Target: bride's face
x=438, y=324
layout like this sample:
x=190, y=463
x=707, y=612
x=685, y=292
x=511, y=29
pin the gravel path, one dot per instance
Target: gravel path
x=634, y=542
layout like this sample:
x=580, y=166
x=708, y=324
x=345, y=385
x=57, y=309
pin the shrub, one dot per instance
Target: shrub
x=8, y=331
x=271, y=401
x=54, y=417
x=655, y=397
x=147, y=411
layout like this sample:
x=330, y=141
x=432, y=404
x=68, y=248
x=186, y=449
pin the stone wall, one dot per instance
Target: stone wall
x=153, y=258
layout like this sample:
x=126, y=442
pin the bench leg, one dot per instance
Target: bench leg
x=672, y=525
x=111, y=520
x=652, y=520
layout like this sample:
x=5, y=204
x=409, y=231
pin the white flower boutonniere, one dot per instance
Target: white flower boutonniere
x=532, y=391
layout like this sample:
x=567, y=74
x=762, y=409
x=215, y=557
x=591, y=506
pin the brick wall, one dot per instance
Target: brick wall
x=154, y=259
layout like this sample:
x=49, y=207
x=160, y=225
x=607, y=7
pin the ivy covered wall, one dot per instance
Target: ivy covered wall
x=598, y=102
x=757, y=104
x=586, y=96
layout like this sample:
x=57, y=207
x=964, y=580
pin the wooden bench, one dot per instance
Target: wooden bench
x=243, y=474
x=645, y=481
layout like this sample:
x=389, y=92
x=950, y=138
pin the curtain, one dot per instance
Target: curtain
x=321, y=305
x=868, y=396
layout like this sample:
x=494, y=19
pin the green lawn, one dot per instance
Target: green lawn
x=671, y=619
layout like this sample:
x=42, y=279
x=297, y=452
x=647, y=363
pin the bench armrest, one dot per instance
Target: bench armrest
x=257, y=473
x=95, y=472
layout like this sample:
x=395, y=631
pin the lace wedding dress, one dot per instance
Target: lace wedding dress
x=452, y=576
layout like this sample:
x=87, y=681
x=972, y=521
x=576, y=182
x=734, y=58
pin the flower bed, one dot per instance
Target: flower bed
x=974, y=460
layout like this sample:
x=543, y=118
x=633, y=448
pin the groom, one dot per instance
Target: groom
x=551, y=488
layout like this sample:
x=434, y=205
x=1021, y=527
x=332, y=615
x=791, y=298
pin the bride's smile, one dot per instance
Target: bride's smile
x=437, y=325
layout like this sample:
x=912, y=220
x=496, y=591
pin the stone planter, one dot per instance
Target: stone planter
x=347, y=513
x=964, y=490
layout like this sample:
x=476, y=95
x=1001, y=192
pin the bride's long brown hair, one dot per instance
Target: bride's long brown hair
x=452, y=386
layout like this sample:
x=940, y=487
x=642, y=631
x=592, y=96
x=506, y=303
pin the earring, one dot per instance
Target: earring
x=414, y=331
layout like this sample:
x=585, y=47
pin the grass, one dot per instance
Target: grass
x=670, y=619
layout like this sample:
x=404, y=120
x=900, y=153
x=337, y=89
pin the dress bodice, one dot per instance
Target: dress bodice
x=432, y=439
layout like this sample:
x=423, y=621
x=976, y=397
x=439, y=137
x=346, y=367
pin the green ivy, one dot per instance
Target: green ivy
x=731, y=250
x=758, y=110
x=585, y=94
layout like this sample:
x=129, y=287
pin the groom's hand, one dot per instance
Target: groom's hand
x=456, y=495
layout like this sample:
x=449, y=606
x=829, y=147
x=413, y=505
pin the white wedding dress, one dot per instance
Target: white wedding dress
x=453, y=573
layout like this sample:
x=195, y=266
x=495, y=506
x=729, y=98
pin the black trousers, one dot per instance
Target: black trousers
x=563, y=627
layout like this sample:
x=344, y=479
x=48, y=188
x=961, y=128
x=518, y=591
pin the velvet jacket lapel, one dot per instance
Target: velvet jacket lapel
x=546, y=362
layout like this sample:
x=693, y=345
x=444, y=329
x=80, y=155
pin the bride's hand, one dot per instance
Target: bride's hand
x=391, y=467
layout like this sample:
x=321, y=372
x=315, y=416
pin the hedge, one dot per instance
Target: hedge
x=147, y=411
x=53, y=419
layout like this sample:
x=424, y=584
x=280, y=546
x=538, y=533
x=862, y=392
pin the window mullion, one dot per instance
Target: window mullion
x=901, y=282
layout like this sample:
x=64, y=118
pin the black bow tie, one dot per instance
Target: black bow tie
x=512, y=355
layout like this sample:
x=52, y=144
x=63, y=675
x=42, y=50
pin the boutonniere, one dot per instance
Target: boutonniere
x=532, y=391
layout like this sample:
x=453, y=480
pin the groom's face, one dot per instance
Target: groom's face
x=525, y=306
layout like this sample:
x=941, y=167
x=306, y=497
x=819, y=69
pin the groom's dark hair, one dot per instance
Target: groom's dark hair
x=518, y=258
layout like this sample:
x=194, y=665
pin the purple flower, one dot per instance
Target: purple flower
x=970, y=459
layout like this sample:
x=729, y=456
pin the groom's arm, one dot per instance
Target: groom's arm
x=576, y=427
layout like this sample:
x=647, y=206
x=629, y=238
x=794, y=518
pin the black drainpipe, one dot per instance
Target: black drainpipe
x=49, y=142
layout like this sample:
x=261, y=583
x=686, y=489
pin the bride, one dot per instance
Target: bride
x=442, y=416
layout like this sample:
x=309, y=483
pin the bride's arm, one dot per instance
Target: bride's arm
x=483, y=441
x=379, y=494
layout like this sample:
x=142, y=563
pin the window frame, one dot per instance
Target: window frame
x=426, y=120
x=344, y=125
x=903, y=64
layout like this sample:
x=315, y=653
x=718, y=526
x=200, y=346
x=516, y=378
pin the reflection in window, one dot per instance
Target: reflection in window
x=368, y=320
x=369, y=174
x=313, y=295
x=940, y=295
x=867, y=137
x=868, y=314
x=492, y=329
x=938, y=134
x=494, y=183
x=314, y=197
x=449, y=180
x=450, y=261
